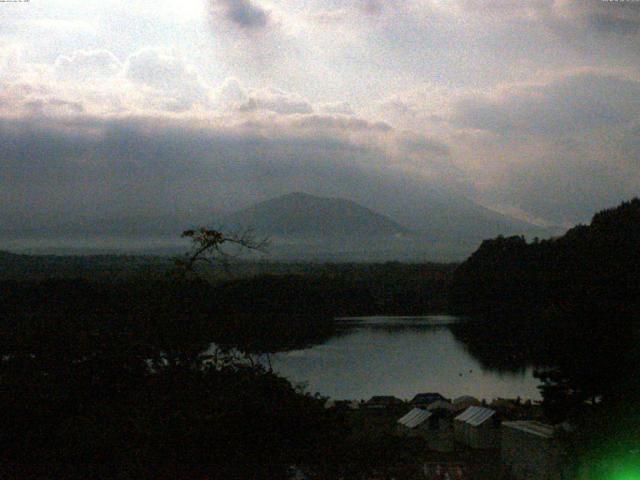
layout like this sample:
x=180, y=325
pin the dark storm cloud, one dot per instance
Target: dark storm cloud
x=243, y=13
x=65, y=170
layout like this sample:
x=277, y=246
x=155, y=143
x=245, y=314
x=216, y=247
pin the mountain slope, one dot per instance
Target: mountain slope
x=303, y=215
x=440, y=215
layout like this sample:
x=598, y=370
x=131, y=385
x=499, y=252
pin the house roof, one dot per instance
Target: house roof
x=466, y=399
x=427, y=398
x=475, y=416
x=415, y=417
x=532, y=427
x=441, y=404
x=384, y=399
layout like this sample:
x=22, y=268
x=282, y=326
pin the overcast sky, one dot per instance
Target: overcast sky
x=150, y=107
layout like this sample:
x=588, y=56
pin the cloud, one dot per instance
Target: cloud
x=276, y=101
x=612, y=24
x=87, y=64
x=62, y=170
x=20, y=99
x=175, y=85
x=607, y=17
x=154, y=68
x=231, y=93
x=372, y=7
x=339, y=123
x=53, y=106
x=567, y=105
x=557, y=150
x=340, y=108
x=149, y=80
x=479, y=89
x=603, y=16
x=420, y=145
x=569, y=182
x=244, y=14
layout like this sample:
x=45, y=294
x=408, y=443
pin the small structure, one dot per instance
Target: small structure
x=433, y=426
x=415, y=421
x=531, y=450
x=423, y=400
x=383, y=401
x=341, y=404
x=477, y=427
x=441, y=405
x=464, y=402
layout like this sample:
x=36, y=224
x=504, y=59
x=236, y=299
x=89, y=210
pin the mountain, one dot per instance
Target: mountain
x=442, y=216
x=300, y=215
x=398, y=223
x=395, y=218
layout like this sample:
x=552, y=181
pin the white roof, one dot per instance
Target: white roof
x=532, y=427
x=415, y=417
x=475, y=416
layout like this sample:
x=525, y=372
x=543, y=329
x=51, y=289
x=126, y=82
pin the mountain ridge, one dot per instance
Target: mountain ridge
x=300, y=214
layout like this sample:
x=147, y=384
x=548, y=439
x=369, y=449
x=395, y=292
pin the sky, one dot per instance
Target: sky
x=114, y=109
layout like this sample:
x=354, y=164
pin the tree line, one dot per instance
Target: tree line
x=571, y=306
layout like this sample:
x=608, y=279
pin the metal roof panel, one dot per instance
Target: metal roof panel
x=415, y=417
x=475, y=415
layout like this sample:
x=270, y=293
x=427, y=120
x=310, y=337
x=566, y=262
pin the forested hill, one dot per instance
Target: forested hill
x=596, y=265
x=570, y=306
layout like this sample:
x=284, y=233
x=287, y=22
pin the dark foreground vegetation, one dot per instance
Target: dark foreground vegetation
x=158, y=374
x=571, y=305
x=161, y=373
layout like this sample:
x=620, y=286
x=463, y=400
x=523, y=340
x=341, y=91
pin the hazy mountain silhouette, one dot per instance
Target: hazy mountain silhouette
x=377, y=222
x=305, y=226
x=302, y=215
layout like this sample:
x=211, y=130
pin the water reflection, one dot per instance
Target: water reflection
x=400, y=356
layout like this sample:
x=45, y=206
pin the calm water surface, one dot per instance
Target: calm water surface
x=399, y=356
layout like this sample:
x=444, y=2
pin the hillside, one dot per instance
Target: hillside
x=598, y=261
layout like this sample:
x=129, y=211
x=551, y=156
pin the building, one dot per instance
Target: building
x=433, y=426
x=442, y=405
x=341, y=404
x=415, y=422
x=423, y=400
x=477, y=427
x=383, y=401
x=531, y=450
x=464, y=402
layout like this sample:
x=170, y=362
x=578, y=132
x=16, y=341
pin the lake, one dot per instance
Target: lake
x=399, y=356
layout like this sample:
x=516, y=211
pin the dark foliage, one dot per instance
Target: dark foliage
x=595, y=263
x=119, y=379
x=570, y=305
